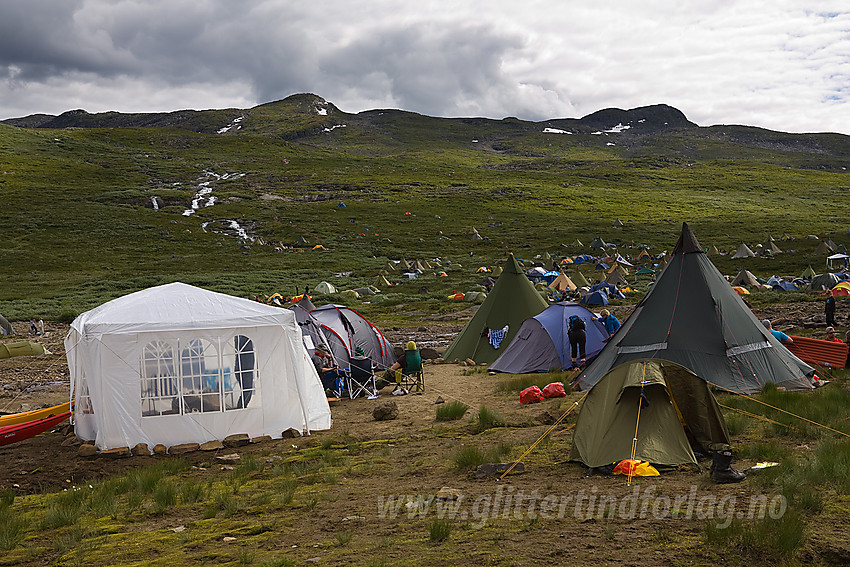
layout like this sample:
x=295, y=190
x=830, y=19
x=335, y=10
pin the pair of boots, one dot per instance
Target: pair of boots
x=721, y=468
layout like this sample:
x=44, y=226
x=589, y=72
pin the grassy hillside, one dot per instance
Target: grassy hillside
x=79, y=227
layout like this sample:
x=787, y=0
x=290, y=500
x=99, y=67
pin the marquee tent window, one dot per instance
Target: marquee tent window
x=210, y=376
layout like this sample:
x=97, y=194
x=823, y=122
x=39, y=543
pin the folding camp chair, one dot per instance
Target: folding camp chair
x=360, y=378
x=412, y=378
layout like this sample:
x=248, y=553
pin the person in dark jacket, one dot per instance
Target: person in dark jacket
x=578, y=340
x=829, y=310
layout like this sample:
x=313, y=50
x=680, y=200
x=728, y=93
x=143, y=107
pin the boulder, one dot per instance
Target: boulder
x=141, y=449
x=183, y=448
x=447, y=493
x=385, y=411
x=492, y=469
x=290, y=433
x=236, y=440
x=261, y=439
x=213, y=445
x=115, y=453
x=87, y=450
x=160, y=449
x=428, y=353
x=230, y=459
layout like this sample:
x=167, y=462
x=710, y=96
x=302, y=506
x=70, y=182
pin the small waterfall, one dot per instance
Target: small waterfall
x=155, y=203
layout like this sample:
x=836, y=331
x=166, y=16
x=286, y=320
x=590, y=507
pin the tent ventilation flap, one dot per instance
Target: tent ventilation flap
x=641, y=348
x=735, y=351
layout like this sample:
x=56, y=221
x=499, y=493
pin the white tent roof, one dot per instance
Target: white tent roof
x=178, y=364
x=175, y=306
x=830, y=259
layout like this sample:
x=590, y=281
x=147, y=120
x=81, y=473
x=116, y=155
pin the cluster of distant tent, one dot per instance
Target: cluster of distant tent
x=807, y=280
x=691, y=316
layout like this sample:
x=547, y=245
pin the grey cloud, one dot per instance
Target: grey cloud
x=426, y=67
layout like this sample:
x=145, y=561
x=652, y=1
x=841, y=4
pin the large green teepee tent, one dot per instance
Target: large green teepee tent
x=693, y=317
x=512, y=300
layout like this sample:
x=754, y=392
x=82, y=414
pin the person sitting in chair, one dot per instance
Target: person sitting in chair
x=328, y=371
x=410, y=358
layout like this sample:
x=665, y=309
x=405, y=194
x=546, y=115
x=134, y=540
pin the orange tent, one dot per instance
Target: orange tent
x=741, y=290
x=842, y=288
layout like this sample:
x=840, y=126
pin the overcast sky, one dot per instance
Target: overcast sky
x=778, y=64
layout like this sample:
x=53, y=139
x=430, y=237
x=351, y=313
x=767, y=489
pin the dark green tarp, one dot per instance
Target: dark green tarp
x=692, y=316
x=512, y=300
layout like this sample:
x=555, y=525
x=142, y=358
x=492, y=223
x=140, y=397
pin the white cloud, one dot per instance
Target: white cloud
x=777, y=64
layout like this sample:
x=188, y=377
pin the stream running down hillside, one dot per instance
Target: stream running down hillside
x=204, y=198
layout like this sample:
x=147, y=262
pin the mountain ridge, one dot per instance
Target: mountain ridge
x=309, y=118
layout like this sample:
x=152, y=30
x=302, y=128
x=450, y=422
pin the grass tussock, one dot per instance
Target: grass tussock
x=519, y=383
x=488, y=419
x=439, y=530
x=451, y=411
x=774, y=540
x=802, y=417
x=469, y=457
x=13, y=527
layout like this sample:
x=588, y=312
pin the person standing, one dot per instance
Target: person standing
x=829, y=309
x=611, y=323
x=780, y=336
x=578, y=340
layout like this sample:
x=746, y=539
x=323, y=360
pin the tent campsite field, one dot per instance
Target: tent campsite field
x=293, y=500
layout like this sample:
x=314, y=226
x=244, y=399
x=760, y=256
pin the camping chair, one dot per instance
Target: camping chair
x=360, y=378
x=411, y=378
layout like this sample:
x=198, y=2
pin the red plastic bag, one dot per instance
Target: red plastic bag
x=530, y=395
x=554, y=390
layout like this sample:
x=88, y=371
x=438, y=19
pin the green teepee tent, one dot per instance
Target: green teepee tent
x=681, y=416
x=580, y=280
x=693, y=317
x=512, y=300
x=808, y=273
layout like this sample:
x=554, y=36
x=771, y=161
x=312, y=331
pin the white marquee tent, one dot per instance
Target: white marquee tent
x=178, y=364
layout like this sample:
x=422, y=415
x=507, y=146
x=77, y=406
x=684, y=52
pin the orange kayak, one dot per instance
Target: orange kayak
x=23, y=417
